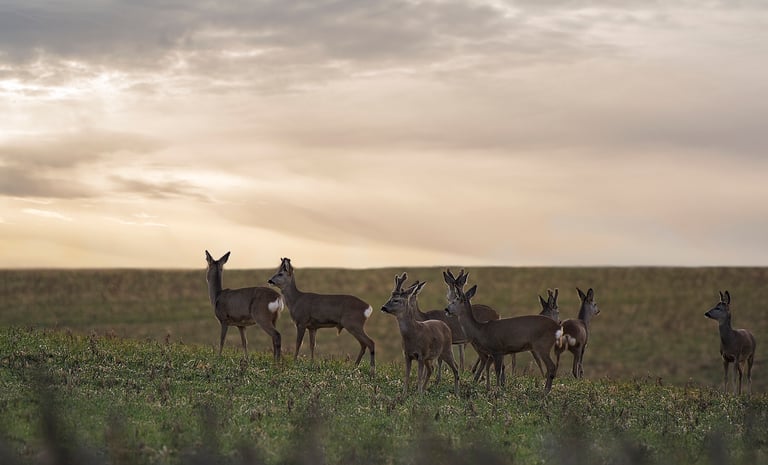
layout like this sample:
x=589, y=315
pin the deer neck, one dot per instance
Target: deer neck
x=214, y=286
x=417, y=314
x=406, y=321
x=291, y=292
x=726, y=331
x=468, y=321
x=585, y=315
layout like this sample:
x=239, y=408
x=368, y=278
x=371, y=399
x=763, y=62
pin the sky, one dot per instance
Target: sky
x=368, y=134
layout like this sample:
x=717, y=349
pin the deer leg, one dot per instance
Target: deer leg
x=243, y=340
x=488, y=363
x=299, y=337
x=428, y=368
x=551, y=368
x=557, y=359
x=576, y=361
x=738, y=368
x=419, y=383
x=224, y=328
x=479, y=366
x=461, y=357
x=581, y=362
x=365, y=342
x=312, y=335
x=269, y=328
x=513, y=363
x=725, y=375
x=750, y=360
x=452, y=363
x=537, y=359
x=407, y=374
x=498, y=364
x=439, y=371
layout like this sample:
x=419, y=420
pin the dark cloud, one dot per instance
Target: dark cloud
x=69, y=150
x=56, y=165
x=268, y=43
x=17, y=182
x=159, y=189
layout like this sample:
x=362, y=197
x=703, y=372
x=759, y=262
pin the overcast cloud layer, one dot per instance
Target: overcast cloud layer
x=383, y=133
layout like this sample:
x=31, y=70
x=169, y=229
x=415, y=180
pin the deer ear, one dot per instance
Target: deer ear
x=413, y=290
x=557, y=292
x=543, y=302
x=582, y=296
x=224, y=258
x=462, y=279
x=722, y=298
x=727, y=298
x=208, y=257
x=471, y=292
x=590, y=295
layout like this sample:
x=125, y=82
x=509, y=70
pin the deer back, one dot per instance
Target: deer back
x=329, y=308
x=247, y=305
x=318, y=309
x=520, y=333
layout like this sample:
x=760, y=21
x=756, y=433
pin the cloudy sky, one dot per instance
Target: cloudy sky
x=374, y=133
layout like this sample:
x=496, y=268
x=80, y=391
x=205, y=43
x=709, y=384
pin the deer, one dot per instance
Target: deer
x=576, y=332
x=458, y=337
x=497, y=338
x=549, y=309
x=311, y=311
x=242, y=307
x=736, y=345
x=423, y=341
x=482, y=313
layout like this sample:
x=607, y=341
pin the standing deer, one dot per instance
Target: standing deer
x=497, y=338
x=576, y=332
x=423, y=341
x=312, y=311
x=736, y=345
x=242, y=307
x=457, y=334
x=481, y=313
x=550, y=310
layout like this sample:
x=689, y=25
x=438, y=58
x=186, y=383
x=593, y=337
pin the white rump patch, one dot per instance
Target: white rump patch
x=559, y=333
x=276, y=306
x=368, y=311
x=571, y=340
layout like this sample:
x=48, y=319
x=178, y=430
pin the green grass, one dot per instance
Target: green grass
x=128, y=401
x=651, y=323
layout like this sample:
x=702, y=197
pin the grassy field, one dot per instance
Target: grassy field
x=651, y=323
x=111, y=400
x=122, y=365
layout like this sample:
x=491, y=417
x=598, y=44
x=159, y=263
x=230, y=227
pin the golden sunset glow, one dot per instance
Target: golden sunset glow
x=385, y=133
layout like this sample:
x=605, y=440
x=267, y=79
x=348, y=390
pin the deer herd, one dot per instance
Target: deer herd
x=429, y=336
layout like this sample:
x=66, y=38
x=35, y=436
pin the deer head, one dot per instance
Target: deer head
x=284, y=274
x=401, y=299
x=721, y=311
x=549, y=307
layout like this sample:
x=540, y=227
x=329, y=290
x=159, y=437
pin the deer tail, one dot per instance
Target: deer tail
x=560, y=337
